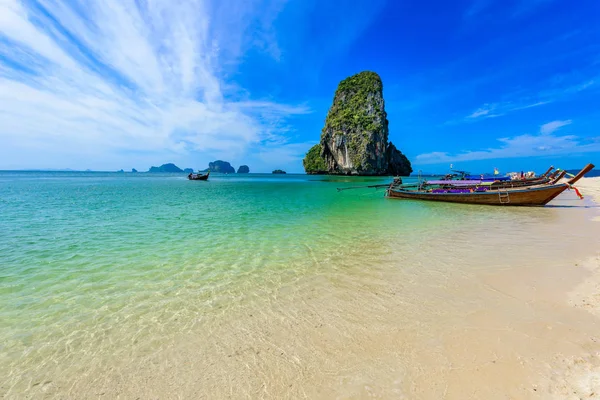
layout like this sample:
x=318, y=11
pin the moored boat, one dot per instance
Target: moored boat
x=533, y=195
x=510, y=181
x=500, y=184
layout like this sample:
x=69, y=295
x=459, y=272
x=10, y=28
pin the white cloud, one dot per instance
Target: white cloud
x=527, y=6
x=113, y=77
x=491, y=110
x=484, y=111
x=518, y=146
x=476, y=7
x=500, y=109
x=553, y=126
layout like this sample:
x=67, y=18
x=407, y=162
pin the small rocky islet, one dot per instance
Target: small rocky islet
x=354, y=140
x=166, y=168
x=218, y=166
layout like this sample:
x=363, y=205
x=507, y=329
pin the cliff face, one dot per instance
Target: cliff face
x=398, y=164
x=355, y=136
x=354, y=140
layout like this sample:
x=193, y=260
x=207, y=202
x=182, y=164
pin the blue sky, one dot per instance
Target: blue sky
x=106, y=85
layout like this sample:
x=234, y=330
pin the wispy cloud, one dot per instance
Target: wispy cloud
x=550, y=127
x=526, y=145
x=486, y=111
x=500, y=109
x=518, y=9
x=87, y=79
x=524, y=7
x=476, y=7
x=491, y=110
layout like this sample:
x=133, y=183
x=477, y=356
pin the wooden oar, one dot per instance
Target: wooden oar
x=376, y=186
x=581, y=173
x=363, y=187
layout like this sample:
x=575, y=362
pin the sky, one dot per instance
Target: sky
x=479, y=84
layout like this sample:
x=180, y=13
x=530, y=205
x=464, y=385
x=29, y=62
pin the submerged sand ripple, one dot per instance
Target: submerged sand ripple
x=486, y=318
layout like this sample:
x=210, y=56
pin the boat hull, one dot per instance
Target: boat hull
x=529, y=196
x=197, y=177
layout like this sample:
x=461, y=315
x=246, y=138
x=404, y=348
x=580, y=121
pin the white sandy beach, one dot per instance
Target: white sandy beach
x=590, y=187
x=579, y=377
x=516, y=316
x=527, y=339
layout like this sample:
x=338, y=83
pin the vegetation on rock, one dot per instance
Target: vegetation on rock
x=314, y=162
x=279, y=171
x=243, y=169
x=355, y=134
x=354, y=139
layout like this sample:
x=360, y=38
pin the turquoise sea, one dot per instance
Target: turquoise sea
x=142, y=284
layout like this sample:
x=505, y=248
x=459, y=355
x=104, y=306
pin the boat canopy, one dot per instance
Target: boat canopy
x=458, y=183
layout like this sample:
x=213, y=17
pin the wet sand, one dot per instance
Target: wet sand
x=590, y=187
x=517, y=338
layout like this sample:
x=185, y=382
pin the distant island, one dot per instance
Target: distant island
x=224, y=167
x=168, y=168
x=220, y=166
x=134, y=170
x=354, y=140
x=279, y=171
x=165, y=168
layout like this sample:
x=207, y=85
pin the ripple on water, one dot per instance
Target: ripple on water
x=114, y=270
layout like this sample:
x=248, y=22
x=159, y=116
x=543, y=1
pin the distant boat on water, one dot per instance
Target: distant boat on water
x=198, y=177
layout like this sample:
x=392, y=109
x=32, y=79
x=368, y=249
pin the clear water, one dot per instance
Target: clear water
x=101, y=270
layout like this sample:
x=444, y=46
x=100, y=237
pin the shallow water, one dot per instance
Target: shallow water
x=257, y=285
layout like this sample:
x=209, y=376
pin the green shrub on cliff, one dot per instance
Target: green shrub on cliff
x=354, y=140
x=355, y=134
x=354, y=108
x=313, y=162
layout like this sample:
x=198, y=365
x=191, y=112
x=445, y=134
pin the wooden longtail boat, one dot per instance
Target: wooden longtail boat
x=546, y=177
x=535, y=195
x=198, y=177
x=552, y=179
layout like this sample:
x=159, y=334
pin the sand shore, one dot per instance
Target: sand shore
x=590, y=187
x=579, y=377
x=512, y=317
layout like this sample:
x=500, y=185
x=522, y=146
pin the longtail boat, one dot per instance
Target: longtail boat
x=551, y=179
x=198, y=177
x=546, y=177
x=534, y=195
